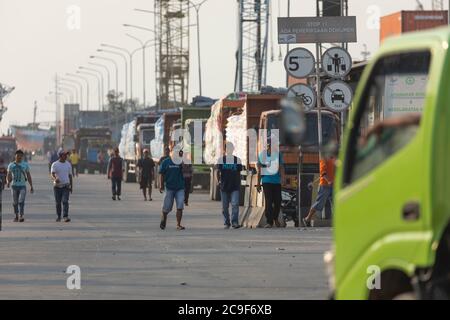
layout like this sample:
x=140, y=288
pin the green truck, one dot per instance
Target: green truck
x=392, y=209
x=192, y=117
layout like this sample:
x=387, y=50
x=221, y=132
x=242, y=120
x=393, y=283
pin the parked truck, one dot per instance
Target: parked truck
x=308, y=160
x=391, y=236
x=90, y=142
x=190, y=118
x=230, y=119
x=136, y=136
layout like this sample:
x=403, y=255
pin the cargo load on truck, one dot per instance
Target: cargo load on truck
x=136, y=136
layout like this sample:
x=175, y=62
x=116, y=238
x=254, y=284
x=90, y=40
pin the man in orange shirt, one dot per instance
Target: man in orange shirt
x=327, y=168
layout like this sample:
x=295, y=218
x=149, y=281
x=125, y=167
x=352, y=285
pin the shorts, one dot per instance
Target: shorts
x=324, y=193
x=146, y=182
x=178, y=195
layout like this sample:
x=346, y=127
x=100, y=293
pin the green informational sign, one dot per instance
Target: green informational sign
x=404, y=94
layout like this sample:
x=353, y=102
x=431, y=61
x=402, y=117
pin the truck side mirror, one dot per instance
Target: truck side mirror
x=292, y=122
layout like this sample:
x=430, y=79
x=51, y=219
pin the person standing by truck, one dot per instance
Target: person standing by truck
x=147, y=167
x=325, y=193
x=229, y=169
x=271, y=174
x=74, y=159
x=115, y=173
x=172, y=181
x=62, y=185
x=17, y=176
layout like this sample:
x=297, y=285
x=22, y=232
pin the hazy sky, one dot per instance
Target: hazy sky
x=36, y=43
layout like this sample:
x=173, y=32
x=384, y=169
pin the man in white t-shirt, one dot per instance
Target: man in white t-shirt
x=62, y=185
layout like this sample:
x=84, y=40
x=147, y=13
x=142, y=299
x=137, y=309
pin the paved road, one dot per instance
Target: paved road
x=123, y=254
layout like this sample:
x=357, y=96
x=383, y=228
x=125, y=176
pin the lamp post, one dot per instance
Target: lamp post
x=102, y=85
x=99, y=91
x=108, y=74
x=126, y=67
x=77, y=83
x=143, y=67
x=117, y=70
x=130, y=56
x=197, y=10
x=69, y=92
x=72, y=87
x=87, y=86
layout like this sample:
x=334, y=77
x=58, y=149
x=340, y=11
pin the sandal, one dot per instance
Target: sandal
x=180, y=228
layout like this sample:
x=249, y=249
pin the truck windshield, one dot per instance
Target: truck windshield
x=310, y=140
x=389, y=112
x=147, y=136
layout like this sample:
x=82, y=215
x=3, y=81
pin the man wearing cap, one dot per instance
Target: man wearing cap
x=115, y=173
x=61, y=172
x=147, y=167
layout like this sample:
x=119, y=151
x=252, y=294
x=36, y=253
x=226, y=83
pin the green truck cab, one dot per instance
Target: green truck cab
x=392, y=206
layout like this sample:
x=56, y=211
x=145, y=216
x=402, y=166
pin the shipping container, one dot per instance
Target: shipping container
x=408, y=21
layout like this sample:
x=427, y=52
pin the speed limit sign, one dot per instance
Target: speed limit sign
x=299, y=63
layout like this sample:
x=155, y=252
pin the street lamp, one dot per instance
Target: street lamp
x=73, y=87
x=143, y=47
x=70, y=90
x=99, y=91
x=130, y=55
x=102, y=80
x=80, y=86
x=108, y=75
x=87, y=86
x=115, y=65
x=126, y=67
x=197, y=9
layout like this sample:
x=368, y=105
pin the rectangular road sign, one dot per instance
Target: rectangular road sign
x=316, y=30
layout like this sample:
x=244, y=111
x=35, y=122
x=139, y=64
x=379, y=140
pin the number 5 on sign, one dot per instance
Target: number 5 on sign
x=299, y=63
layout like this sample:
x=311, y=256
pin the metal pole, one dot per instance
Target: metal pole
x=198, y=49
x=102, y=84
x=87, y=87
x=143, y=67
x=98, y=86
x=80, y=86
x=288, y=46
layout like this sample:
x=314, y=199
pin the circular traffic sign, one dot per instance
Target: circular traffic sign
x=304, y=94
x=299, y=63
x=336, y=62
x=337, y=95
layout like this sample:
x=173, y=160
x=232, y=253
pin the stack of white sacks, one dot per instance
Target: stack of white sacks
x=127, y=144
x=236, y=133
x=157, y=144
x=213, y=139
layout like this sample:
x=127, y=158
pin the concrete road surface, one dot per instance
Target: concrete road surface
x=123, y=254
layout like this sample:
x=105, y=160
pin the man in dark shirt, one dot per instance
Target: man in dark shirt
x=172, y=181
x=147, y=167
x=229, y=170
x=115, y=173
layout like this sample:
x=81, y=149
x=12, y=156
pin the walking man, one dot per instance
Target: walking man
x=147, y=169
x=325, y=193
x=17, y=176
x=62, y=185
x=229, y=169
x=74, y=160
x=172, y=181
x=115, y=173
x=271, y=174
